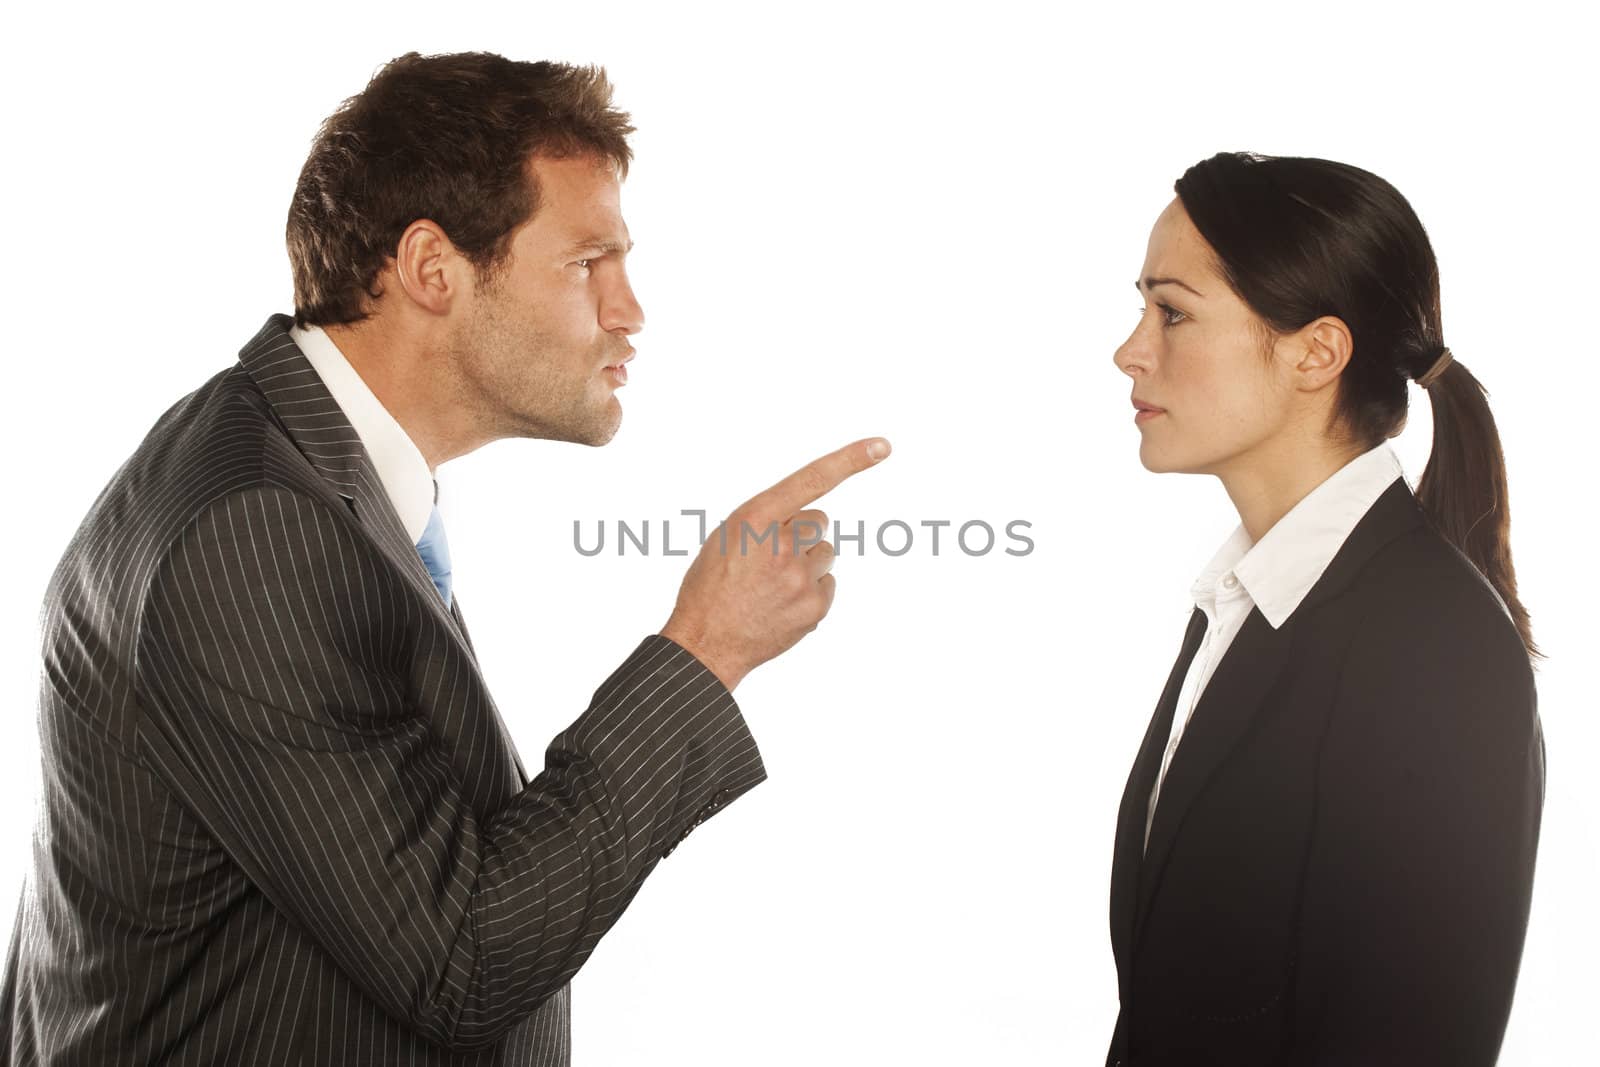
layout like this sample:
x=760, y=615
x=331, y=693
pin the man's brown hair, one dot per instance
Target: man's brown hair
x=447, y=138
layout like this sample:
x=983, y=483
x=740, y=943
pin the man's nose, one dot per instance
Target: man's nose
x=621, y=311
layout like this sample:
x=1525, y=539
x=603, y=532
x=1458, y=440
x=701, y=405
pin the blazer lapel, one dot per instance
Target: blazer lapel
x=324, y=435
x=1230, y=702
x=375, y=512
x=516, y=757
x=461, y=624
x=303, y=404
x=1125, y=861
x=1236, y=692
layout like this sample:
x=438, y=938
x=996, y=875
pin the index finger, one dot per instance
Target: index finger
x=816, y=478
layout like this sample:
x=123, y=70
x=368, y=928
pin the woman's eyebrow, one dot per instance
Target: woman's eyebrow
x=1151, y=283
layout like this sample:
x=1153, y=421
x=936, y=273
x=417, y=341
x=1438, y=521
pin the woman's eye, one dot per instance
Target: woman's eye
x=1167, y=313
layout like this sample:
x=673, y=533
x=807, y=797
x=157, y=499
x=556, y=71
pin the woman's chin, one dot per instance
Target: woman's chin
x=1153, y=461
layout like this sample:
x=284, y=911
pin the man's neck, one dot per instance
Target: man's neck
x=403, y=373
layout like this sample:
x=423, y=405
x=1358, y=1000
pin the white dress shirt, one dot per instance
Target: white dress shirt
x=1274, y=574
x=401, y=468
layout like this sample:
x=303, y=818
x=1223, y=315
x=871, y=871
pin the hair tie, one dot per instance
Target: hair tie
x=1431, y=375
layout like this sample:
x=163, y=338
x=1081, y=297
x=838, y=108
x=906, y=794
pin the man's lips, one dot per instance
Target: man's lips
x=618, y=370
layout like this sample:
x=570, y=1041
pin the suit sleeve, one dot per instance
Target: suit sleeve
x=1418, y=882
x=277, y=706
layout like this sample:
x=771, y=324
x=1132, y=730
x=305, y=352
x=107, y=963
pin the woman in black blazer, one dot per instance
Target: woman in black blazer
x=1342, y=828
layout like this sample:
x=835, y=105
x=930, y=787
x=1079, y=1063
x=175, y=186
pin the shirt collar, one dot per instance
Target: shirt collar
x=1279, y=570
x=399, y=463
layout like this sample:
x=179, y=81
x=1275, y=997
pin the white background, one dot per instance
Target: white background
x=921, y=223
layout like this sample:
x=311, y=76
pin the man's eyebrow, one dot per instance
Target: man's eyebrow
x=606, y=245
x=1151, y=283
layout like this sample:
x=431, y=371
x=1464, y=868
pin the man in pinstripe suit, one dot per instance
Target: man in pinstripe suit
x=282, y=821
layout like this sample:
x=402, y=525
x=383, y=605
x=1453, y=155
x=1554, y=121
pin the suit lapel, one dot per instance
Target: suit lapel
x=1229, y=704
x=377, y=515
x=461, y=624
x=516, y=757
x=1125, y=860
x=303, y=404
x=1235, y=696
x=324, y=435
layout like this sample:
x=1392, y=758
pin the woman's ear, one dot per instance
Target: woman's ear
x=1326, y=346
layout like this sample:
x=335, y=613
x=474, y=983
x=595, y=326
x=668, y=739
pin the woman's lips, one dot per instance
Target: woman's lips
x=1145, y=411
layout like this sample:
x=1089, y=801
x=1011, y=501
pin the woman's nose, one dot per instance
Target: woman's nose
x=1130, y=355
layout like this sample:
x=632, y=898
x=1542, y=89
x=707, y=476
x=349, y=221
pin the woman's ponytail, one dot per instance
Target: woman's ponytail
x=1463, y=487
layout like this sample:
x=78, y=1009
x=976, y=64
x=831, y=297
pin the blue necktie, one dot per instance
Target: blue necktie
x=435, y=553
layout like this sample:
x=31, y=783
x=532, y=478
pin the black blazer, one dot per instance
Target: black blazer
x=282, y=821
x=1342, y=855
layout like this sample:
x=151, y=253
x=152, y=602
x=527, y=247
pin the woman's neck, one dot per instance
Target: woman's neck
x=1265, y=485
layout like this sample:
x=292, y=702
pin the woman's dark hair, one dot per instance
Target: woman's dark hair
x=447, y=138
x=1300, y=238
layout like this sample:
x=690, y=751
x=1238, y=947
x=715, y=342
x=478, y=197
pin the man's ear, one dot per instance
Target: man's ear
x=430, y=272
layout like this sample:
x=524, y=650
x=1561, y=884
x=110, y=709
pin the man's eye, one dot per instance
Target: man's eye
x=584, y=263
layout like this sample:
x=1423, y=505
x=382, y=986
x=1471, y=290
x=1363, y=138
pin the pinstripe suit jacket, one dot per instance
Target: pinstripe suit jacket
x=281, y=819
